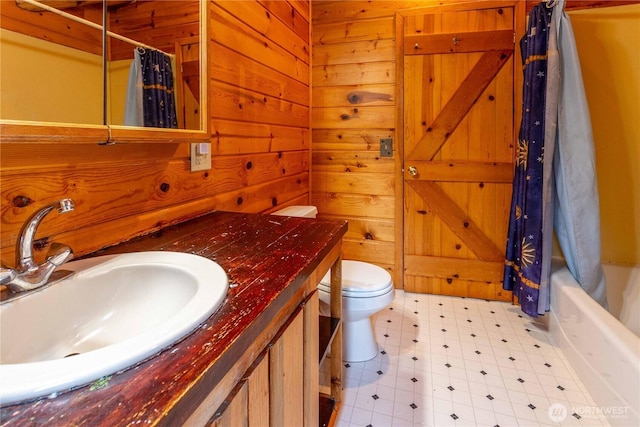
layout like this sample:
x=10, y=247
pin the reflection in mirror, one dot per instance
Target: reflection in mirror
x=51, y=66
x=154, y=68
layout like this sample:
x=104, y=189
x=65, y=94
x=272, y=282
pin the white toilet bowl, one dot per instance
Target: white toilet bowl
x=366, y=289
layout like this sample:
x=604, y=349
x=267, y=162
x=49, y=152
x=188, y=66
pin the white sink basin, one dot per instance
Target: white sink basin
x=114, y=312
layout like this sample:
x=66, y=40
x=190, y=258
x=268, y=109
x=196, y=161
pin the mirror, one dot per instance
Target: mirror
x=52, y=65
x=165, y=33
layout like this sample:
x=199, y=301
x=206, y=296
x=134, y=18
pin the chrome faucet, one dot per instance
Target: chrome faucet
x=28, y=274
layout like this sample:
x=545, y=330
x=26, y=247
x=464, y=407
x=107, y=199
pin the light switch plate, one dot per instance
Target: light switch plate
x=386, y=147
x=200, y=156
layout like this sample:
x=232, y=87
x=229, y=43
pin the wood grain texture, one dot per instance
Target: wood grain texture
x=294, y=13
x=457, y=107
x=267, y=24
x=233, y=68
x=354, y=107
x=349, y=140
x=459, y=94
x=354, y=95
x=286, y=363
x=152, y=22
x=353, y=74
x=258, y=383
x=352, y=161
x=465, y=171
x=349, y=53
x=237, y=33
x=229, y=138
x=354, y=30
x=235, y=414
x=458, y=42
x=55, y=28
x=111, y=191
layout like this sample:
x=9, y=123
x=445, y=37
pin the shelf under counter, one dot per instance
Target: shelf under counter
x=327, y=331
x=329, y=405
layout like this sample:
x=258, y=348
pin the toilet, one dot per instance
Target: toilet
x=366, y=289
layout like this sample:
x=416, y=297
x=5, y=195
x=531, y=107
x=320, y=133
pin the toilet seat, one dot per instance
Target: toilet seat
x=360, y=280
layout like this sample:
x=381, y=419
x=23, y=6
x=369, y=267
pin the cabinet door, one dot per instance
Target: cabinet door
x=249, y=403
x=258, y=395
x=281, y=387
x=286, y=366
x=235, y=414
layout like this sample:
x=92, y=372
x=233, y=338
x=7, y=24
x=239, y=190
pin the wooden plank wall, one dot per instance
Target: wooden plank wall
x=259, y=123
x=353, y=87
x=355, y=105
x=259, y=101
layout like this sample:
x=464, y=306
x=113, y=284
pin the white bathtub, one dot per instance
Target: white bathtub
x=603, y=350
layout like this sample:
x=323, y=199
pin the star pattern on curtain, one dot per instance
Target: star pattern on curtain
x=524, y=243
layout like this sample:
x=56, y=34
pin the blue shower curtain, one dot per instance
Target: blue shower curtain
x=150, y=94
x=525, y=239
x=558, y=190
x=577, y=207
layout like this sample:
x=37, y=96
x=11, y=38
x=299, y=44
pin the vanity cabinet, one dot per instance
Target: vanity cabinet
x=255, y=362
x=281, y=386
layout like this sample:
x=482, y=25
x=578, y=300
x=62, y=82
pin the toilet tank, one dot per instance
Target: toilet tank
x=300, y=211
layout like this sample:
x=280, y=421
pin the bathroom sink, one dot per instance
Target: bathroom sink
x=114, y=312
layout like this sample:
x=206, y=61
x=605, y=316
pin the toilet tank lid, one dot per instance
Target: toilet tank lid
x=300, y=211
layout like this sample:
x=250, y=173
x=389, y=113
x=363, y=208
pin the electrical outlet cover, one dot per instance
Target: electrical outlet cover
x=200, y=161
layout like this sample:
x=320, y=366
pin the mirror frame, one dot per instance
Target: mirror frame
x=23, y=131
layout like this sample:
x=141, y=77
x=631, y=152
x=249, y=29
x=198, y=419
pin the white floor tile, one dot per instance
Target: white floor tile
x=361, y=417
x=383, y=407
x=447, y=361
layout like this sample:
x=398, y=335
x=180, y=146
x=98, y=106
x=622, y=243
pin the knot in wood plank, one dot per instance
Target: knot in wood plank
x=22, y=201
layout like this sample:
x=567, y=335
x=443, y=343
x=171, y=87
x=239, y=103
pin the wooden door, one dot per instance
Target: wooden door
x=458, y=135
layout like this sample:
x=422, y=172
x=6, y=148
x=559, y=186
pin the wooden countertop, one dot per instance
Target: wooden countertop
x=267, y=259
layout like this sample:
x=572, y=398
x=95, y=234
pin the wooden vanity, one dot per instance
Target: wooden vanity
x=255, y=360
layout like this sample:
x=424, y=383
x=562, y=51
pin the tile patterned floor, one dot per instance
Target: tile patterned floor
x=450, y=361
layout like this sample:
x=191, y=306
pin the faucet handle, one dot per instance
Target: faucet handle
x=7, y=275
x=59, y=253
